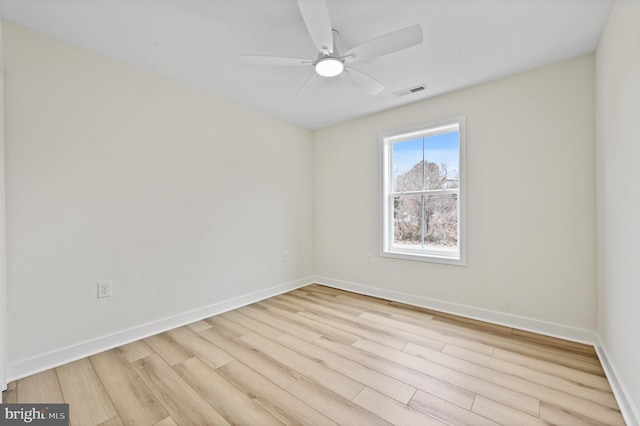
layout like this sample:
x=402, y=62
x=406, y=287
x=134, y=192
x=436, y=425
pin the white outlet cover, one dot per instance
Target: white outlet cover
x=104, y=289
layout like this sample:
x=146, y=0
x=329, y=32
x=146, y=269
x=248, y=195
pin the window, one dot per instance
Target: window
x=423, y=193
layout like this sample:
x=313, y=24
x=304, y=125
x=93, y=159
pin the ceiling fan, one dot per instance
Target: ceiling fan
x=330, y=62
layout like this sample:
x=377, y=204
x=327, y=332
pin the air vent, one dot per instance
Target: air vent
x=411, y=90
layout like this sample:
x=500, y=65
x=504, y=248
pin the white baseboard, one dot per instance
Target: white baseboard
x=630, y=412
x=36, y=364
x=509, y=320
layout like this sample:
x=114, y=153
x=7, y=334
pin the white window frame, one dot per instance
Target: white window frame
x=388, y=249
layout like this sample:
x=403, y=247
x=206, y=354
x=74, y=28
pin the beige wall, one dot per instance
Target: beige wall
x=618, y=194
x=530, y=199
x=182, y=200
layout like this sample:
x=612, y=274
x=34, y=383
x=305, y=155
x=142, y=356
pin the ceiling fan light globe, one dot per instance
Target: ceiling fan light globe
x=329, y=67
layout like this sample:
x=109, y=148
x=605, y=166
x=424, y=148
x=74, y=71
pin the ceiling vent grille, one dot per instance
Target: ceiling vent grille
x=411, y=90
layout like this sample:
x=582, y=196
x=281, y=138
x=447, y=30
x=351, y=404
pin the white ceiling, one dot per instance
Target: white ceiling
x=197, y=42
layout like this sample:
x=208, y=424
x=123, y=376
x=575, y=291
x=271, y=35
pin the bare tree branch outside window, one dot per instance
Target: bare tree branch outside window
x=428, y=219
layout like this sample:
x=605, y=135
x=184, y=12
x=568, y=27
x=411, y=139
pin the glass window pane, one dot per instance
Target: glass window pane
x=441, y=221
x=406, y=167
x=407, y=221
x=442, y=153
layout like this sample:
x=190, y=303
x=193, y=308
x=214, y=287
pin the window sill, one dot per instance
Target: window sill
x=424, y=257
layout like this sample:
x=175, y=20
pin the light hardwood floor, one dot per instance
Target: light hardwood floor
x=323, y=356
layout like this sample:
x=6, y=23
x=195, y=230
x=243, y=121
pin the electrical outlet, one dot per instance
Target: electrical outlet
x=369, y=259
x=104, y=289
x=285, y=257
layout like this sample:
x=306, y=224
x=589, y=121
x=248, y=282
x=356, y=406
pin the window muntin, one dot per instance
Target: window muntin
x=423, y=193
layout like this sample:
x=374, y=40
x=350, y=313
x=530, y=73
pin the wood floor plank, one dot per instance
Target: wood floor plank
x=469, y=329
x=200, y=347
x=314, y=288
x=393, y=336
x=89, y=403
x=133, y=400
x=578, y=376
x=332, y=380
x=425, y=332
x=479, y=334
x=168, y=349
x=274, y=302
x=113, y=421
x=606, y=414
x=559, y=416
x=596, y=395
x=224, y=397
x=135, y=350
x=231, y=327
x=280, y=403
x=318, y=305
x=40, y=388
x=416, y=314
x=337, y=408
x=383, y=330
x=381, y=307
x=391, y=410
x=167, y=422
x=361, y=331
x=564, y=345
x=366, y=304
x=441, y=388
x=500, y=341
x=273, y=370
x=411, y=319
x=274, y=320
x=253, y=325
x=570, y=361
x=389, y=386
x=459, y=322
x=447, y=412
x=503, y=414
x=529, y=343
x=407, y=334
x=184, y=404
x=472, y=383
x=323, y=329
x=570, y=354
x=322, y=303
x=198, y=326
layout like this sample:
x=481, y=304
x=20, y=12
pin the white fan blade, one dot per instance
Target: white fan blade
x=316, y=17
x=385, y=44
x=362, y=81
x=273, y=60
x=306, y=83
